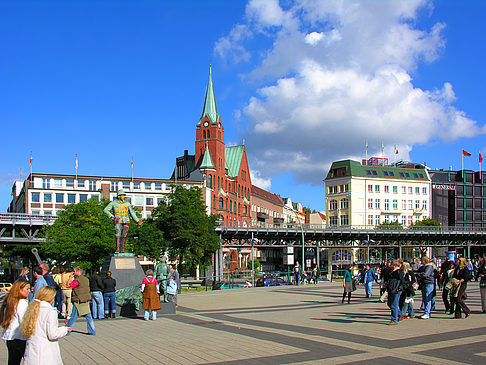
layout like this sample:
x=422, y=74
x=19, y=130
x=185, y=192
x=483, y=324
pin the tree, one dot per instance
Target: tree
x=81, y=234
x=389, y=226
x=189, y=231
x=146, y=240
x=426, y=222
x=256, y=265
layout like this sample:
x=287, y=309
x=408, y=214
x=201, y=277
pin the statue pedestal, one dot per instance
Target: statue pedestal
x=126, y=270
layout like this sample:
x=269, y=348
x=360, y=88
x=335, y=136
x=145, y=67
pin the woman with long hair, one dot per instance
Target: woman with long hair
x=347, y=283
x=40, y=326
x=11, y=314
x=463, y=275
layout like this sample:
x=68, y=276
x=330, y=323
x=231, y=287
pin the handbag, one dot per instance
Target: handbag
x=482, y=284
x=83, y=308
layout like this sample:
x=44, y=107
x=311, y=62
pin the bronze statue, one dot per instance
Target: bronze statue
x=162, y=274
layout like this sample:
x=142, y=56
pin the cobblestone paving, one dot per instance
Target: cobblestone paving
x=283, y=325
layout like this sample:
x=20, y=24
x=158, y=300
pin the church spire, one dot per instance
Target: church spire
x=210, y=109
x=207, y=162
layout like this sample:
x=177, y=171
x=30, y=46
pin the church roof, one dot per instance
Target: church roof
x=210, y=109
x=207, y=161
x=233, y=156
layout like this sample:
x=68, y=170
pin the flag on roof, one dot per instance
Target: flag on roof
x=480, y=158
x=465, y=153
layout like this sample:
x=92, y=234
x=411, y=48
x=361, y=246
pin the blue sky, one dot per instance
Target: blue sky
x=304, y=83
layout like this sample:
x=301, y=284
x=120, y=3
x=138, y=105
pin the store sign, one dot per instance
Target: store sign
x=443, y=187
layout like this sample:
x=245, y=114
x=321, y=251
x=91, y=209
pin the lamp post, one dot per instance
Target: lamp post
x=303, y=253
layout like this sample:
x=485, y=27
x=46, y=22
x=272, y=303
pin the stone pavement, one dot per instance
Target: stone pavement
x=281, y=325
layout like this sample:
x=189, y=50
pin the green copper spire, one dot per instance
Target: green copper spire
x=207, y=161
x=210, y=108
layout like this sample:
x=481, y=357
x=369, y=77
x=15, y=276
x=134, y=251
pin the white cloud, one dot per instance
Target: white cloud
x=258, y=180
x=341, y=74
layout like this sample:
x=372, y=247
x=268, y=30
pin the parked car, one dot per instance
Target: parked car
x=271, y=281
x=221, y=286
x=5, y=287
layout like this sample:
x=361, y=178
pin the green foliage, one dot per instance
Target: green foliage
x=256, y=265
x=82, y=234
x=426, y=222
x=189, y=231
x=389, y=226
x=146, y=240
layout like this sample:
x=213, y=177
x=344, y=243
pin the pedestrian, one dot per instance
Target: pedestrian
x=384, y=276
x=444, y=279
x=176, y=277
x=415, y=265
x=172, y=290
x=47, y=275
x=482, y=283
x=56, y=275
x=394, y=289
x=426, y=278
x=24, y=274
x=39, y=281
x=67, y=278
x=96, y=291
x=81, y=299
x=150, y=294
x=348, y=283
x=11, y=314
x=40, y=326
x=109, y=297
x=463, y=275
x=408, y=292
x=369, y=278
x=297, y=273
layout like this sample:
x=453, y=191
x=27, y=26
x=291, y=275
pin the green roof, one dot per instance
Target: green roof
x=210, y=109
x=207, y=161
x=233, y=157
x=353, y=168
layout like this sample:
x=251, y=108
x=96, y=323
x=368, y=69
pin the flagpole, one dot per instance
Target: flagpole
x=30, y=167
x=76, y=166
x=132, y=170
x=366, y=158
x=462, y=164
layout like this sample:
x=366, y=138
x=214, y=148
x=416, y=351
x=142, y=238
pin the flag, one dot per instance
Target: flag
x=480, y=158
x=30, y=162
x=465, y=153
x=396, y=150
x=76, y=164
x=131, y=164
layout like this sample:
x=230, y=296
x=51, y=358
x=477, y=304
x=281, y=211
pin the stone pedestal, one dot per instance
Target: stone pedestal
x=126, y=270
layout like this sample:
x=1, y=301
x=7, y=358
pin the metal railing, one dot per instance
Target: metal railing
x=31, y=219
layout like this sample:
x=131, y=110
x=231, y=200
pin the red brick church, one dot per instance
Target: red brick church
x=225, y=169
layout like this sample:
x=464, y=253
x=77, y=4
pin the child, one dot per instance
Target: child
x=408, y=292
x=171, y=290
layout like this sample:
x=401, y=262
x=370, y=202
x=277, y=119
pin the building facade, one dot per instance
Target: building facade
x=370, y=195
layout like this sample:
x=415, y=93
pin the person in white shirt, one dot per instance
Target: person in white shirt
x=11, y=314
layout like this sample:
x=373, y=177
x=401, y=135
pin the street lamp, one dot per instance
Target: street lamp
x=303, y=253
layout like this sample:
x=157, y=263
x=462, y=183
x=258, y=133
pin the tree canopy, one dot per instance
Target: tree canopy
x=189, y=231
x=426, y=222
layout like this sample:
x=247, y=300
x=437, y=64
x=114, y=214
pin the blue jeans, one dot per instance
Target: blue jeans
x=110, y=305
x=97, y=305
x=427, y=297
x=394, y=306
x=368, y=287
x=297, y=278
x=89, y=320
x=408, y=308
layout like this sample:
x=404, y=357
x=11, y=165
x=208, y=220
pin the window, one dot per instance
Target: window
x=221, y=206
x=341, y=255
x=421, y=175
x=148, y=185
x=204, y=134
x=57, y=183
x=404, y=190
x=377, y=220
x=95, y=197
x=126, y=185
x=377, y=188
x=244, y=209
x=210, y=181
x=83, y=197
x=417, y=204
x=136, y=185
x=158, y=186
x=417, y=190
x=47, y=212
x=138, y=201
x=370, y=203
x=345, y=220
x=46, y=183
x=387, y=189
x=392, y=173
x=410, y=190
x=401, y=174
x=47, y=198
x=407, y=174
x=91, y=185
x=385, y=173
x=395, y=204
x=410, y=204
x=368, y=172
x=424, y=191
x=374, y=172
x=35, y=212
x=160, y=200
x=114, y=186
x=59, y=198
x=387, y=204
x=404, y=220
x=370, y=188
x=370, y=220
x=415, y=175
x=387, y=218
x=377, y=203
x=409, y=220
x=128, y=199
x=71, y=198
x=69, y=183
x=35, y=197
x=344, y=203
x=149, y=201
x=404, y=204
x=333, y=204
x=333, y=221
x=346, y=187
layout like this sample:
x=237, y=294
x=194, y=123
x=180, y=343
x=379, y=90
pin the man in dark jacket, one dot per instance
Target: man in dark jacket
x=95, y=289
x=81, y=299
x=426, y=278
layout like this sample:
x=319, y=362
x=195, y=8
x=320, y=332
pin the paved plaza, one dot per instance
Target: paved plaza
x=281, y=325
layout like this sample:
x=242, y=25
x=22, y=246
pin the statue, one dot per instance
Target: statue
x=162, y=274
x=120, y=211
